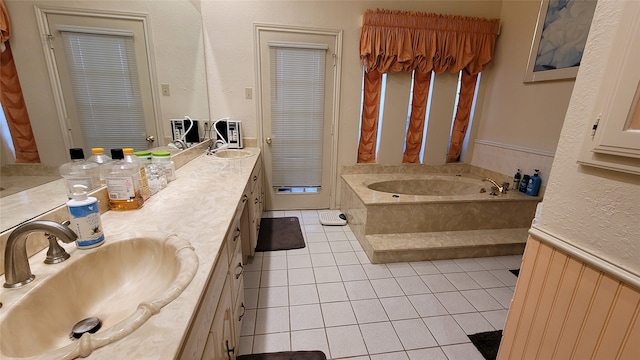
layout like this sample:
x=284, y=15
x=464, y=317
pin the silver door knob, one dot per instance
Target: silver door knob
x=269, y=140
x=150, y=138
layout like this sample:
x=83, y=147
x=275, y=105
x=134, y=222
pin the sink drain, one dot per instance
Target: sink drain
x=88, y=325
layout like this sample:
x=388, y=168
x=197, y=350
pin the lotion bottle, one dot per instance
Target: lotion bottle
x=84, y=216
x=534, y=184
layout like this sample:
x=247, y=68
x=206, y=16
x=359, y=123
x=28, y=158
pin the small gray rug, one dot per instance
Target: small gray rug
x=280, y=234
x=286, y=355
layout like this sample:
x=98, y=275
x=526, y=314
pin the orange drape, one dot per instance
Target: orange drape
x=13, y=104
x=370, y=113
x=421, y=84
x=392, y=41
x=463, y=114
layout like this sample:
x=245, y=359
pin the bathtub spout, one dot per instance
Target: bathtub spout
x=501, y=189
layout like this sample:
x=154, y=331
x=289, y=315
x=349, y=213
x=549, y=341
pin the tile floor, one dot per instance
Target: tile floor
x=328, y=296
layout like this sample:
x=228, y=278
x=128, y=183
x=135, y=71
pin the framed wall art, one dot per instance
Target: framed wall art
x=559, y=39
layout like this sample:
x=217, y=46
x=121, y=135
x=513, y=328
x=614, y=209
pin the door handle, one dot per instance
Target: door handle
x=269, y=140
x=150, y=138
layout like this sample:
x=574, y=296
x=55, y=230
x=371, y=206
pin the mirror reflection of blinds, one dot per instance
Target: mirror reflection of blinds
x=297, y=113
x=105, y=84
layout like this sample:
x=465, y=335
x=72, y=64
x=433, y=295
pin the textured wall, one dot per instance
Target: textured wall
x=596, y=210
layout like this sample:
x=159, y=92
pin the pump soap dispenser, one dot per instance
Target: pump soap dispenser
x=534, y=184
x=84, y=216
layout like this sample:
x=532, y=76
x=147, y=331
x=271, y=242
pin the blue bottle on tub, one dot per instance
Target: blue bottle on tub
x=534, y=184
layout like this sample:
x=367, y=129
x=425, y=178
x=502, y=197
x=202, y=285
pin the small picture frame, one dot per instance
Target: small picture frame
x=559, y=39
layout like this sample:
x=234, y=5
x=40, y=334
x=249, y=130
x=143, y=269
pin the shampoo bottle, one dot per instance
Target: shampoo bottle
x=84, y=216
x=516, y=180
x=534, y=184
x=524, y=183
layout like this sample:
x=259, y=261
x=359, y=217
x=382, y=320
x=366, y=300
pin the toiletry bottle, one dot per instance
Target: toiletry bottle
x=516, y=180
x=523, y=183
x=102, y=159
x=163, y=158
x=155, y=175
x=122, y=184
x=84, y=216
x=79, y=171
x=142, y=174
x=534, y=184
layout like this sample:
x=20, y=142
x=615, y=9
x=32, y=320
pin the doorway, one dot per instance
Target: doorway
x=298, y=77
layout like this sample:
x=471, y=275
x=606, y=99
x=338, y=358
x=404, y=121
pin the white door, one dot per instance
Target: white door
x=103, y=73
x=298, y=76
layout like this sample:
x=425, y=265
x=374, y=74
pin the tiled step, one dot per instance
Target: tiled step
x=387, y=248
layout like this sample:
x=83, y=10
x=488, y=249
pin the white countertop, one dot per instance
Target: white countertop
x=199, y=207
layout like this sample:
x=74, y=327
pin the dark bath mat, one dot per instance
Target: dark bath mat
x=487, y=343
x=286, y=355
x=515, y=272
x=280, y=234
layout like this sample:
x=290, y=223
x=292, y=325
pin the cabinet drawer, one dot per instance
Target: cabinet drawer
x=238, y=314
x=235, y=271
x=233, y=240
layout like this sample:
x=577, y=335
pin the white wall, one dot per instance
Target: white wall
x=593, y=209
x=176, y=31
x=519, y=123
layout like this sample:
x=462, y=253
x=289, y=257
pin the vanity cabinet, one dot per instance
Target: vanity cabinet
x=254, y=193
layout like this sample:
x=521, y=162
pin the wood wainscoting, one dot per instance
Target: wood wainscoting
x=567, y=307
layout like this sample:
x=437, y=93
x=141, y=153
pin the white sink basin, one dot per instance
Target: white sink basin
x=122, y=283
x=232, y=153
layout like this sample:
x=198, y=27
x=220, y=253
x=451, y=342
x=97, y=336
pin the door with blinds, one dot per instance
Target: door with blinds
x=104, y=77
x=297, y=89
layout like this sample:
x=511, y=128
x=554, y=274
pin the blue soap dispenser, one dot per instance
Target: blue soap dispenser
x=534, y=184
x=84, y=215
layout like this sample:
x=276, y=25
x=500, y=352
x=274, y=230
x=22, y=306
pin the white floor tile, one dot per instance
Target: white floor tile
x=303, y=294
x=340, y=246
x=315, y=237
x=293, y=213
x=333, y=229
x=346, y=258
x=251, y=298
x=319, y=247
x=412, y=285
x=326, y=274
x=462, y=352
x=437, y=283
x=380, y=337
x=445, y=330
x=357, y=247
x=368, y=311
x=272, y=320
x=447, y=266
x=454, y=302
x=401, y=269
x=490, y=263
x=386, y=287
x=424, y=268
x=503, y=295
x=473, y=323
x=427, y=305
x=338, y=314
x=271, y=343
x=248, y=323
x=424, y=354
x=304, y=317
x=252, y=279
x=274, y=278
x=322, y=260
x=301, y=251
x=337, y=237
x=485, y=279
x=345, y=341
x=377, y=271
x=331, y=292
x=510, y=261
x=274, y=263
x=352, y=272
x=313, y=228
x=246, y=345
x=468, y=264
x=462, y=281
x=360, y=290
x=398, y=308
x=497, y=318
x=362, y=256
x=400, y=355
x=413, y=334
x=308, y=340
x=253, y=264
x=481, y=300
x=505, y=276
x=276, y=296
x=301, y=276
x=351, y=235
x=298, y=261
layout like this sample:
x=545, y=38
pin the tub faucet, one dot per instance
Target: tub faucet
x=17, y=271
x=501, y=189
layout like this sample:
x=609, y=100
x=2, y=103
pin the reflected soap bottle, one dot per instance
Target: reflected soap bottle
x=79, y=172
x=122, y=184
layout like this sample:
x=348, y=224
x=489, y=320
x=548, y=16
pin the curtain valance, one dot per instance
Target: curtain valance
x=392, y=41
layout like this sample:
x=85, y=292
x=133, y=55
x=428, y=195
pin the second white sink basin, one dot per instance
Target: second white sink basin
x=232, y=153
x=122, y=283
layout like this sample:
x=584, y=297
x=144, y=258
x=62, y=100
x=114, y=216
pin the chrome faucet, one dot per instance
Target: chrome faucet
x=17, y=271
x=502, y=189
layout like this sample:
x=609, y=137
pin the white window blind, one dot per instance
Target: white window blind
x=104, y=80
x=297, y=113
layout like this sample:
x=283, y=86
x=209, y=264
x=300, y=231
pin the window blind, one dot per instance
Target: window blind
x=297, y=113
x=104, y=80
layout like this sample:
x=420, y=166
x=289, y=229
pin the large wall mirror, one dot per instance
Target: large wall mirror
x=176, y=65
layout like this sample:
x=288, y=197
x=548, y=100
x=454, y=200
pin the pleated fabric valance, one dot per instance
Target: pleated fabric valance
x=392, y=41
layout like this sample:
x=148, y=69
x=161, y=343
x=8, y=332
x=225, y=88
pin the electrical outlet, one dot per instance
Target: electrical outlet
x=248, y=93
x=165, y=89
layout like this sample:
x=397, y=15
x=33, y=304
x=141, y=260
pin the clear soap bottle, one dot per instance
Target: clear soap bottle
x=79, y=172
x=99, y=157
x=130, y=157
x=122, y=184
